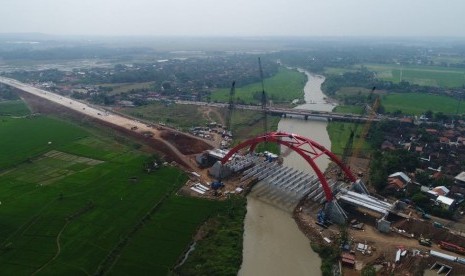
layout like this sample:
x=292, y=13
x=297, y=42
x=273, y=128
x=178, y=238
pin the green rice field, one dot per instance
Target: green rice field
x=411, y=104
x=353, y=109
x=119, y=88
x=68, y=205
x=181, y=116
x=13, y=108
x=284, y=87
x=418, y=103
x=423, y=75
x=339, y=133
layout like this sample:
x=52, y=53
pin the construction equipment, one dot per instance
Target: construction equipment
x=321, y=219
x=424, y=241
x=372, y=113
x=452, y=247
x=349, y=146
x=231, y=106
x=349, y=149
x=217, y=185
x=355, y=224
x=265, y=119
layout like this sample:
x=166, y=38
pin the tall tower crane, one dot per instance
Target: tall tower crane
x=265, y=119
x=231, y=105
x=371, y=112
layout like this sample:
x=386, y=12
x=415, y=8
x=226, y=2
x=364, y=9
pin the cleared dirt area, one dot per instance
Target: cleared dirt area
x=383, y=246
x=187, y=145
x=428, y=230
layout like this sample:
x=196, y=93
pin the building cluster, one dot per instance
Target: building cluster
x=440, y=149
x=191, y=79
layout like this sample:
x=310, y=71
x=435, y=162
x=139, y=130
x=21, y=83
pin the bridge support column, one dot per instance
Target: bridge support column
x=219, y=171
x=383, y=225
x=306, y=117
x=335, y=212
x=360, y=187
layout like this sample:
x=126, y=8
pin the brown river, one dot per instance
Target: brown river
x=273, y=244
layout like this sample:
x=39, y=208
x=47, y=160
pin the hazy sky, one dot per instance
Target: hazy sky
x=235, y=17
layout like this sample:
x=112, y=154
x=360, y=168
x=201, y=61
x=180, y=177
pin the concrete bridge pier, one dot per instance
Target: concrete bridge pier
x=219, y=171
x=335, y=213
x=360, y=187
x=306, y=117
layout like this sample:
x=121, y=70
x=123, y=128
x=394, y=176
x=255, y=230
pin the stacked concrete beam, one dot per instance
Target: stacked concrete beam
x=365, y=201
x=240, y=163
x=258, y=164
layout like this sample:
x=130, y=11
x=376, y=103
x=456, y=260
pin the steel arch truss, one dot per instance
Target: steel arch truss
x=305, y=147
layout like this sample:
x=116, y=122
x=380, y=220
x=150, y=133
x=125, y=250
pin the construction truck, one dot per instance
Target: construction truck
x=451, y=247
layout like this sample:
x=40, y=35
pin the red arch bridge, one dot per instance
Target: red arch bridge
x=305, y=147
x=356, y=194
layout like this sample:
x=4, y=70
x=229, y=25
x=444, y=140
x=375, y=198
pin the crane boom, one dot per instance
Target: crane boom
x=231, y=105
x=349, y=149
x=366, y=127
x=265, y=119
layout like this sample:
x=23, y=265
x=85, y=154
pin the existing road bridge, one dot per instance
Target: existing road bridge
x=304, y=113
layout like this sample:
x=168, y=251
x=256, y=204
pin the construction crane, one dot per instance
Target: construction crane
x=372, y=113
x=348, y=150
x=265, y=119
x=231, y=106
x=348, y=147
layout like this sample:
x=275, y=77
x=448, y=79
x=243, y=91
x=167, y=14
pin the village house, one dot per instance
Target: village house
x=445, y=202
x=398, y=181
x=460, y=179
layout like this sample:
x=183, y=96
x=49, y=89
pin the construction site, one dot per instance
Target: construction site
x=334, y=208
x=391, y=236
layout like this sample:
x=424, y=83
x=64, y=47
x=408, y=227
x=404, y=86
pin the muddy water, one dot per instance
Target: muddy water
x=313, y=129
x=273, y=244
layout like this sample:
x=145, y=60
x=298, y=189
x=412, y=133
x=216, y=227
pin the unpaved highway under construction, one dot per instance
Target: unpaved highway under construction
x=173, y=144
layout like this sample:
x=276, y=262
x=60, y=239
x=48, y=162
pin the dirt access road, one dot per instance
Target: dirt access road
x=168, y=141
